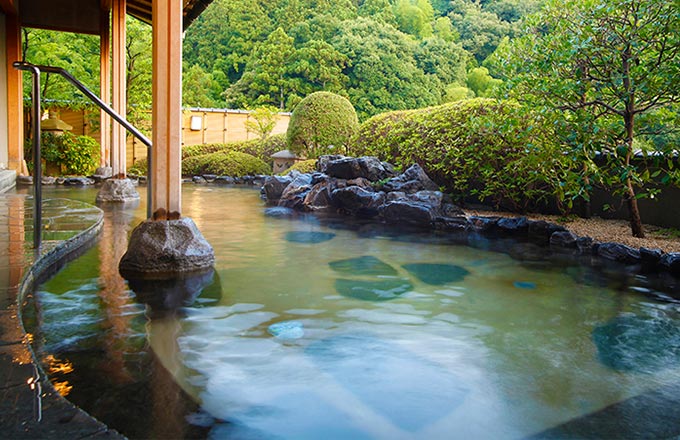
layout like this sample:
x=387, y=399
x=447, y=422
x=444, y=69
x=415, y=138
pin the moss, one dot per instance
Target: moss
x=320, y=121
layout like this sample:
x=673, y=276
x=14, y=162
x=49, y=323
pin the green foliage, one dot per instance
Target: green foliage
x=75, y=155
x=414, y=17
x=224, y=163
x=262, y=121
x=200, y=89
x=319, y=121
x=139, y=168
x=607, y=63
x=303, y=166
x=481, y=83
x=491, y=149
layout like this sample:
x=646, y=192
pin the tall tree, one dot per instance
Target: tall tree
x=614, y=59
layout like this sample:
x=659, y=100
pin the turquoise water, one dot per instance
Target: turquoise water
x=316, y=329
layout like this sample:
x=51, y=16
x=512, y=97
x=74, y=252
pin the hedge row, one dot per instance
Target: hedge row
x=494, y=150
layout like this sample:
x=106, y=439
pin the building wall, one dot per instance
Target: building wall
x=215, y=126
x=3, y=95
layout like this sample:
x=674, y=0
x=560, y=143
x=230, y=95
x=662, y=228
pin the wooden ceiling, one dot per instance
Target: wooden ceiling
x=84, y=15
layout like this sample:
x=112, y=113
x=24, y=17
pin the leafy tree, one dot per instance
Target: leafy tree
x=456, y=92
x=414, y=18
x=444, y=60
x=607, y=62
x=444, y=29
x=320, y=65
x=480, y=82
x=199, y=88
x=224, y=36
x=321, y=121
x=268, y=81
x=383, y=73
x=262, y=121
x=378, y=10
x=480, y=31
x=138, y=40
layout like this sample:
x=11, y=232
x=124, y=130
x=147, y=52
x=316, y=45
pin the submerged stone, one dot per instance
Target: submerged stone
x=634, y=343
x=524, y=285
x=379, y=290
x=436, y=274
x=117, y=191
x=308, y=237
x=287, y=330
x=365, y=265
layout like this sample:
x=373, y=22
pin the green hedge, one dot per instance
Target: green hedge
x=303, y=166
x=495, y=150
x=224, y=163
x=75, y=155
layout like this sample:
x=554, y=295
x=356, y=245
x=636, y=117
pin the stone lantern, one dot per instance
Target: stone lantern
x=283, y=160
x=54, y=125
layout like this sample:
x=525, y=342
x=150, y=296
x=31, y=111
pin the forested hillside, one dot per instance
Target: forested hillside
x=381, y=54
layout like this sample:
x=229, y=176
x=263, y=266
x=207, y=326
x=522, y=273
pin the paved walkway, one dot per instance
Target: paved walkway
x=30, y=408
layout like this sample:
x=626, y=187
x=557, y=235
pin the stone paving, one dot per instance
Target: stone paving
x=29, y=405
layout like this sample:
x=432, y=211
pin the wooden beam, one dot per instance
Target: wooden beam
x=167, y=99
x=105, y=87
x=9, y=7
x=119, y=101
x=15, y=101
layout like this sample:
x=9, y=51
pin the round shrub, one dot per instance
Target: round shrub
x=224, y=163
x=303, y=166
x=320, y=121
x=139, y=168
x=494, y=150
x=75, y=155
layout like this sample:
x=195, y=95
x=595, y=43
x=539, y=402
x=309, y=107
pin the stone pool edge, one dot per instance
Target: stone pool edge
x=56, y=416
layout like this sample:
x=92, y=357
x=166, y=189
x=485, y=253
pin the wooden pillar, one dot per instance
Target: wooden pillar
x=105, y=86
x=119, y=101
x=167, y=99
x=15, y=101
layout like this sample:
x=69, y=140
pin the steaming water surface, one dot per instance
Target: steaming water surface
x=307, y=330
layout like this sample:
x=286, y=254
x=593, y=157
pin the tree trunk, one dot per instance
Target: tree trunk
x=631, y=200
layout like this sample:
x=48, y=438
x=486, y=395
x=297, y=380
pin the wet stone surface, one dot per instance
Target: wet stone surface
x=378, y=290
x=437, y=274
x=366, y=265
x=308, y=237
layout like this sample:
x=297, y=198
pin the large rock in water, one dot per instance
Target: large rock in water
x=412, y=180
x=351, y=168
x=293, y=195
x=161, y=248
x=117, y=191
x=359, y=201
x=274, y=185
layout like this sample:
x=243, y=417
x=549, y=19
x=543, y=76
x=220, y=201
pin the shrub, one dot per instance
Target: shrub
x=75, y=155
x=495, y=150
x=139, y=168
x=303, y=166
x=224, y=163
x=319, y=121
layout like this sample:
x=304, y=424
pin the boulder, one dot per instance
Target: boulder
x=618, y=252
x=293, y=195
x=224, y=180
x=273, y=187
x=210, y=178
x=650, y=256
x=78, y=181
x=367, y=167
x=319, y=197
x=514, y=225
x=484, y=224
x=117, y=191
x=200, y=180
x=358, y=201
x=48, y=180
x=411, y=181
x=323, y=161
x=586, y=245
x=279, y=212
x=103, y=172
x=542, y=229
x=409, y=213
x=160, y=248
x=671, y=263
x=565, y=239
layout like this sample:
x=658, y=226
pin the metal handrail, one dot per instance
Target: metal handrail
x=36, y=69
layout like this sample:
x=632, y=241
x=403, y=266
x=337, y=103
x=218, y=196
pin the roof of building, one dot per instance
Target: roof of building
x=284, y=154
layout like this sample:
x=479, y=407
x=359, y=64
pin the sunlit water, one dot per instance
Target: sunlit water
x=308, y=330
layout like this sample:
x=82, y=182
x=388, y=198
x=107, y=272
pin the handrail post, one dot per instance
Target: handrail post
x=37, y=160
x=22, y=65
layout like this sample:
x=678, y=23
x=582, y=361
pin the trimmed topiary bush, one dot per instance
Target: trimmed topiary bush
x=494, y=150
x=303, y=166
x=320, y=121
x=224, y=163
